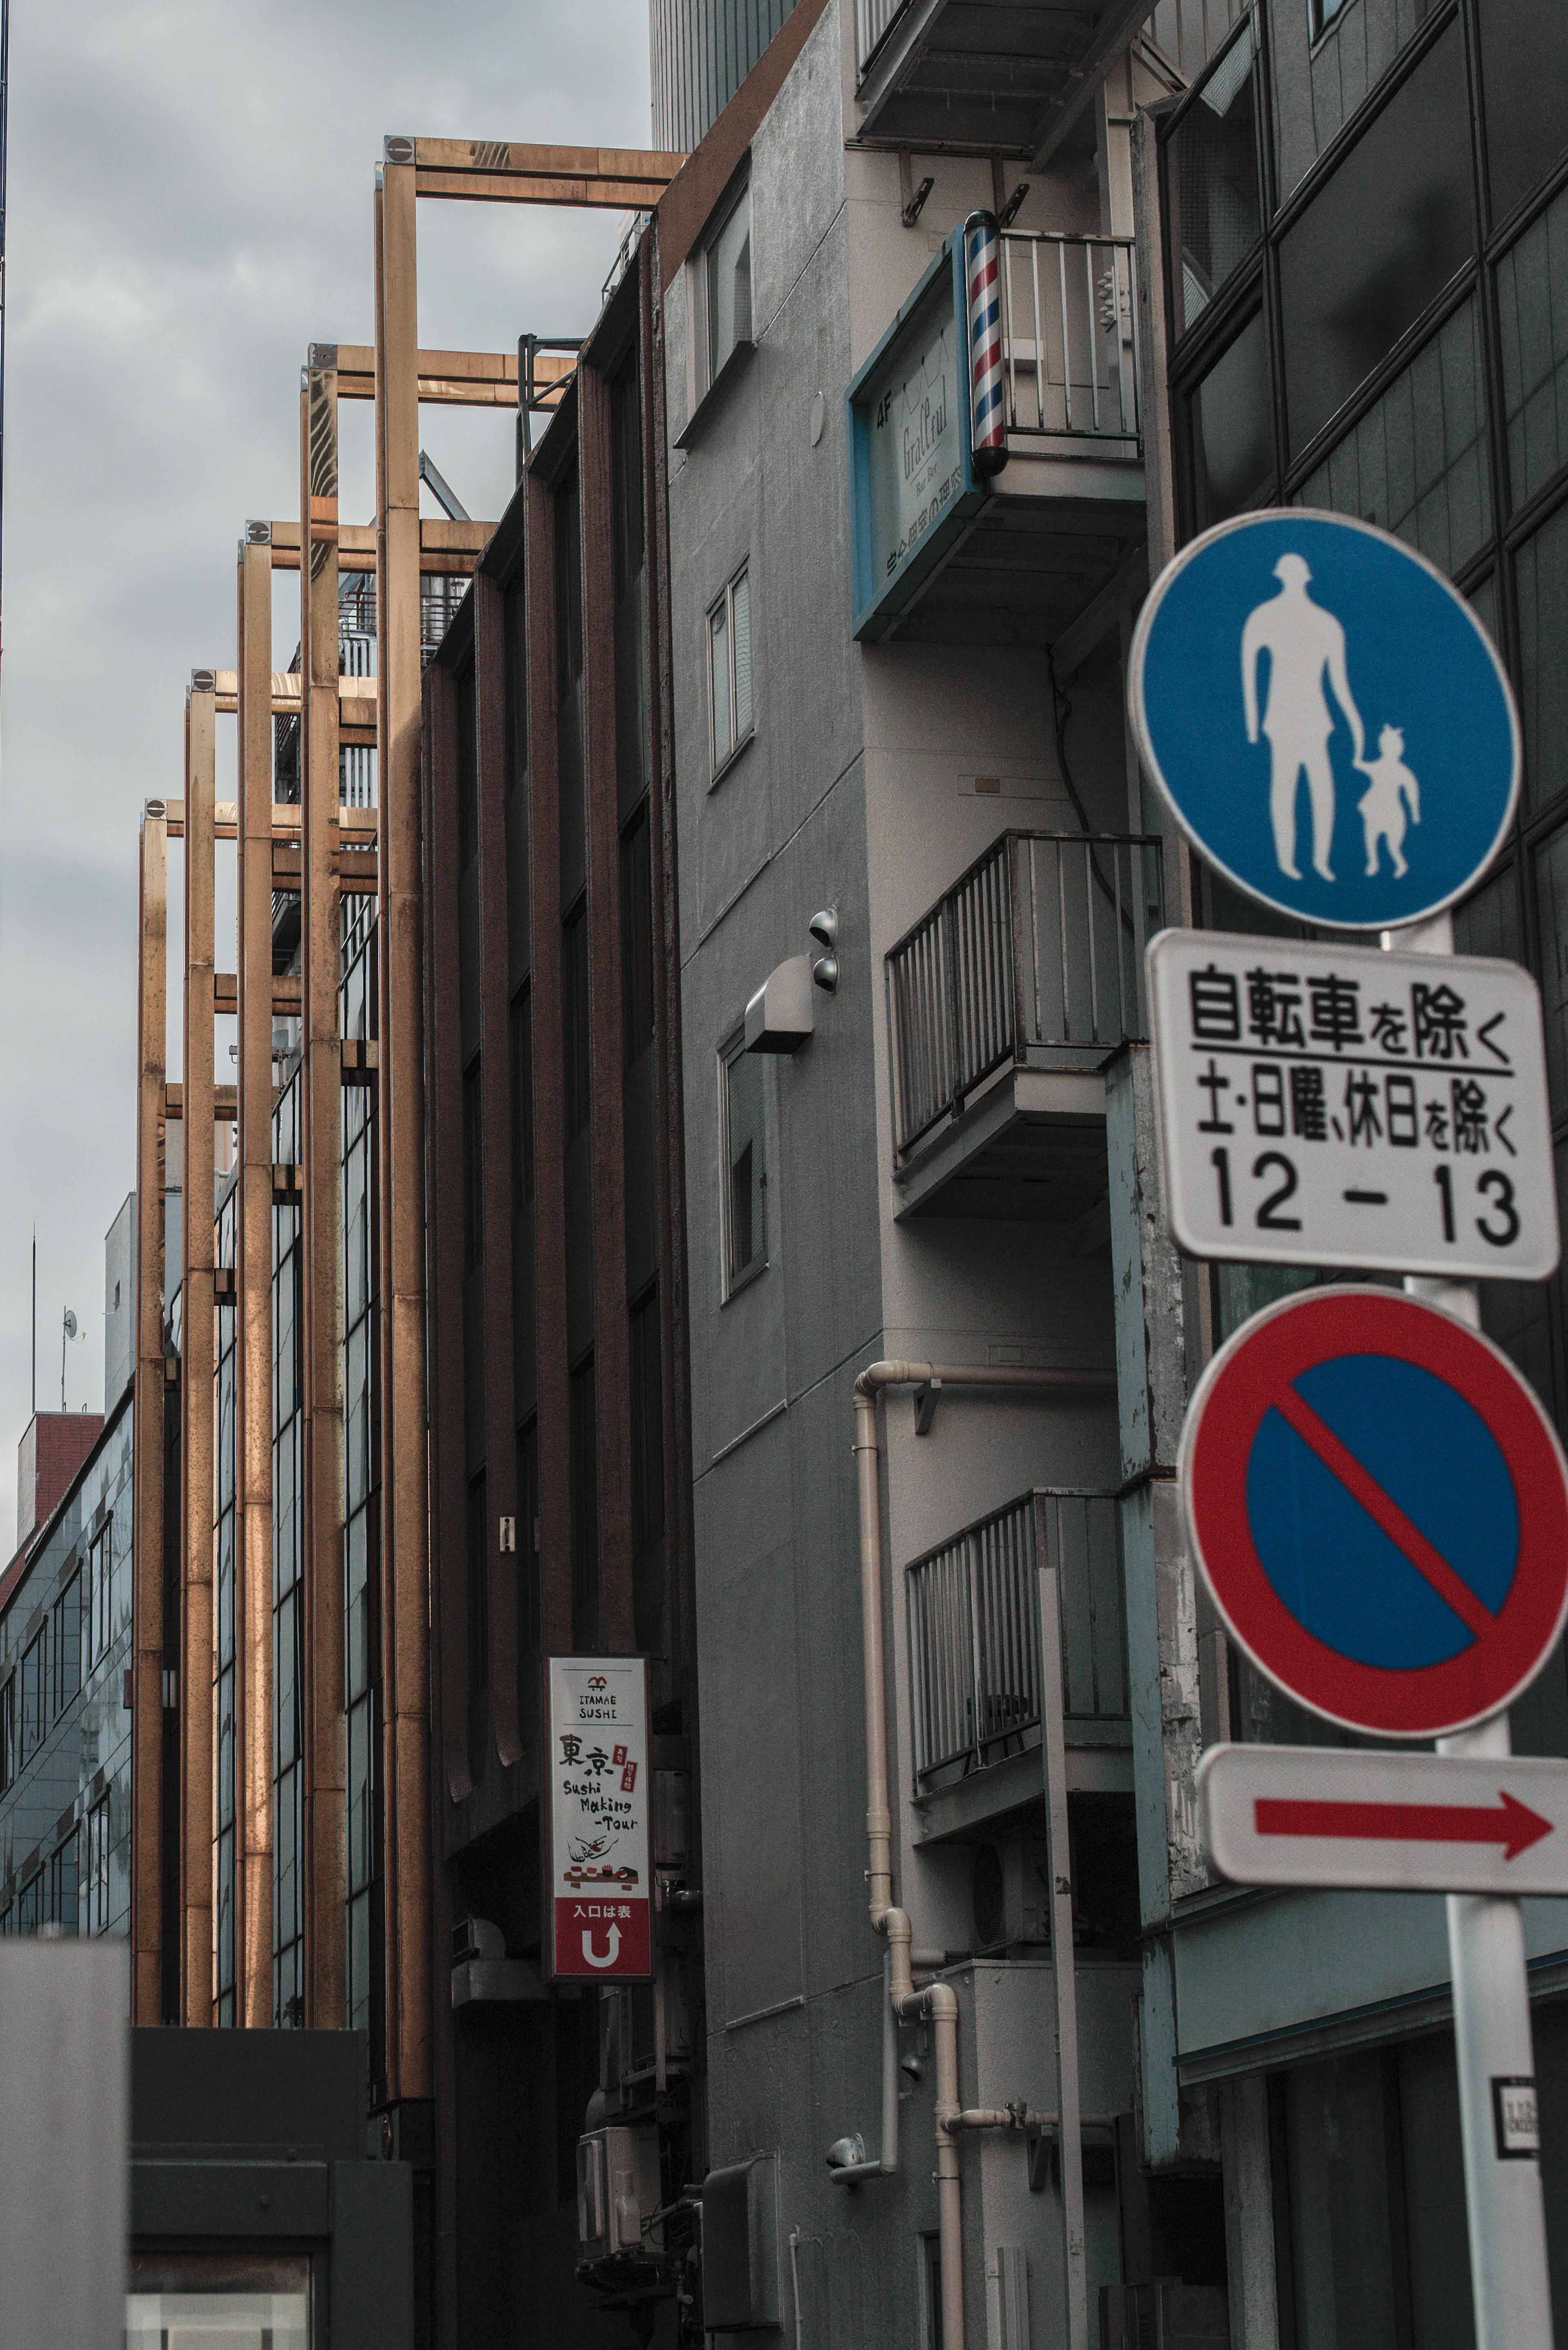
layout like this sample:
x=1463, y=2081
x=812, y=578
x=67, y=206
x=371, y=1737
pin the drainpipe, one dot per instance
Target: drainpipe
x=936, y=2003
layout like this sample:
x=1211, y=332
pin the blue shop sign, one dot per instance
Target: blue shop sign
x=913, y=487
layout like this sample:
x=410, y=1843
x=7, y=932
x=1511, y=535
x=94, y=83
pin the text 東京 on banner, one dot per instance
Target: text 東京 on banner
x=597, y=1861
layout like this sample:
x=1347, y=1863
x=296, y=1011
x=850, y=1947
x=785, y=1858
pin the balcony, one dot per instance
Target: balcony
x=998, y=78
x=944, y=554
x=973, y=1609
x=1004, y=1004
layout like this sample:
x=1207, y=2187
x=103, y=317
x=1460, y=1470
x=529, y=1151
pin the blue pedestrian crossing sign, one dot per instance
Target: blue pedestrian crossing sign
x=1326, y=718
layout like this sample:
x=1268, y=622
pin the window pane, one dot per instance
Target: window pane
x=575, y=1020
x=1215, y=207
x=740, y=610
x=730, y=285
x=636, y=939
x=625, y=476
x=478, y=1547
x=1551, y=910
x=582, y=1438
x=1541, y=585
x=467, y=771
x=1379, y=242
x=1341, y=2243
x=1524, y=76
x=1533, y=322
x=746, y=1166
x=472, y=1168
x=522, y=1097
x=1231, y=435
x=1415, y=463
x=719, y=682
x=1435, y=2196
x=647, y=1424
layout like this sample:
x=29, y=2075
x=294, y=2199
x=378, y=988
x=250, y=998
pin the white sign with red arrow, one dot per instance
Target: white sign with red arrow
x=1398, y=1821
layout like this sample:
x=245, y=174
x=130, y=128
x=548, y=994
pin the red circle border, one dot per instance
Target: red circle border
x=1237, y=1389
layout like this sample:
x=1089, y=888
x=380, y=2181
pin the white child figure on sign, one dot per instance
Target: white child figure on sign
x=1391, y=791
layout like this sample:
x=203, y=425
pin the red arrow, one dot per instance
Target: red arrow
x=1514, y=1827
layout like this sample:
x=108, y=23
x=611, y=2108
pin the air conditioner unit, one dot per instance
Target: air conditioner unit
x=618, y=2189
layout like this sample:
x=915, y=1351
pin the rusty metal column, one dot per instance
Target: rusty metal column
x=252, y=1283
x=147, y=1432
x=324, y=1863
x=198, y=1316
x=405, y=1659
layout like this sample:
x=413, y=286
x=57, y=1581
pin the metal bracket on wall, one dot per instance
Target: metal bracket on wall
x=927, y=1399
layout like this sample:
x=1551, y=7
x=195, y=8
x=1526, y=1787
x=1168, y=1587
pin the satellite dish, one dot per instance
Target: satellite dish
x=70, y=1324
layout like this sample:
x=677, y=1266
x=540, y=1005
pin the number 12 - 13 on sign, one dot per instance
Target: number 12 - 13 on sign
x=1340, y=1105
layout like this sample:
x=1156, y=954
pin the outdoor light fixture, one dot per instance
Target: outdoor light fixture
x=846, y=2150
x=824, y=928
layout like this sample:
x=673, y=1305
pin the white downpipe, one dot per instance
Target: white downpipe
x=936, y=2003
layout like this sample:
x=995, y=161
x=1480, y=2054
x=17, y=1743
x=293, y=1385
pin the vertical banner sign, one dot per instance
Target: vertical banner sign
x=597, y=1859
x=983, y=291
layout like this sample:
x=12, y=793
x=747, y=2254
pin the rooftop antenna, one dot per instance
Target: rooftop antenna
x=68, y=1330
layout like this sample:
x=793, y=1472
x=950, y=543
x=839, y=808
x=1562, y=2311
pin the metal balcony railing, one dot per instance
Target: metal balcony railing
x=974, y=1630
x=1069, y=326
x=874, y=20
x=1034, y=956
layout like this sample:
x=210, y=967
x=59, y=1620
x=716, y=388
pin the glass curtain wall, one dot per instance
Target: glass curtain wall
x=226, y=1693
x=1388, y=338
x=361, y=1693
x=287, y=1576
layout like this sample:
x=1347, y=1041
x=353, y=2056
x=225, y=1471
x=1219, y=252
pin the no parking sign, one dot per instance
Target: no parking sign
x=1379, y=1507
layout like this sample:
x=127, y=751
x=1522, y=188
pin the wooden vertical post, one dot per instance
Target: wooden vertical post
x=147, y=1432
x=404, y=1469
x=198, y=1318
x=324, y=1864
x=611, y=1329
x=253, y=1547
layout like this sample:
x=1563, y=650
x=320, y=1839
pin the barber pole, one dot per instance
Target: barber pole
x=982, y=282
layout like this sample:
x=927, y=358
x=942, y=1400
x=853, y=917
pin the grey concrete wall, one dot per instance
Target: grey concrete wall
x=848, y=796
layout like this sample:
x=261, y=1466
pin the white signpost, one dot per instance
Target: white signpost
x=596, y=1890
x=1399, y=1823
x=1338, y=1106
x=1331, y=727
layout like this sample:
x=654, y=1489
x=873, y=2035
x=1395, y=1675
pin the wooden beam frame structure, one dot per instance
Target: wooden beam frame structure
x=325, y=851
x=485, y=171
x=328, y=715
x=253, y=1480
x=199, y=1352
x=149, y=1447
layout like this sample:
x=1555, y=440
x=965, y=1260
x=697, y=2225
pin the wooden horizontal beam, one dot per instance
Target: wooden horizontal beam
x=497, y=172
x=225, y=1106
x=450, y=379
x=287, y=994
x=584, y=194
x=445, y=546
x=355, y=696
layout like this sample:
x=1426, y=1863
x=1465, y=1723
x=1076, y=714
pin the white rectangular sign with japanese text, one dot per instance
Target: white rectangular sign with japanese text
x=1340, y=1106
x=596, y=1865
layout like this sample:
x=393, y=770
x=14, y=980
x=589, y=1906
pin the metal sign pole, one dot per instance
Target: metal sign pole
x=1499, y=2125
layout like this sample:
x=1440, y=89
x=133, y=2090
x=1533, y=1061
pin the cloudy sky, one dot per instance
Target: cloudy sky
x=189, y=206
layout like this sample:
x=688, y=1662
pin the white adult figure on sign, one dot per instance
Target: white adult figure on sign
x=1302, y=641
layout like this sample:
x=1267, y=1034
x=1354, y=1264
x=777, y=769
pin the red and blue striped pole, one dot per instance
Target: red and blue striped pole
x=982, y=285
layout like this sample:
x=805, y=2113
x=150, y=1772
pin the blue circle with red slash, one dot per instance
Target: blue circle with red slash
x=1379, y=1506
